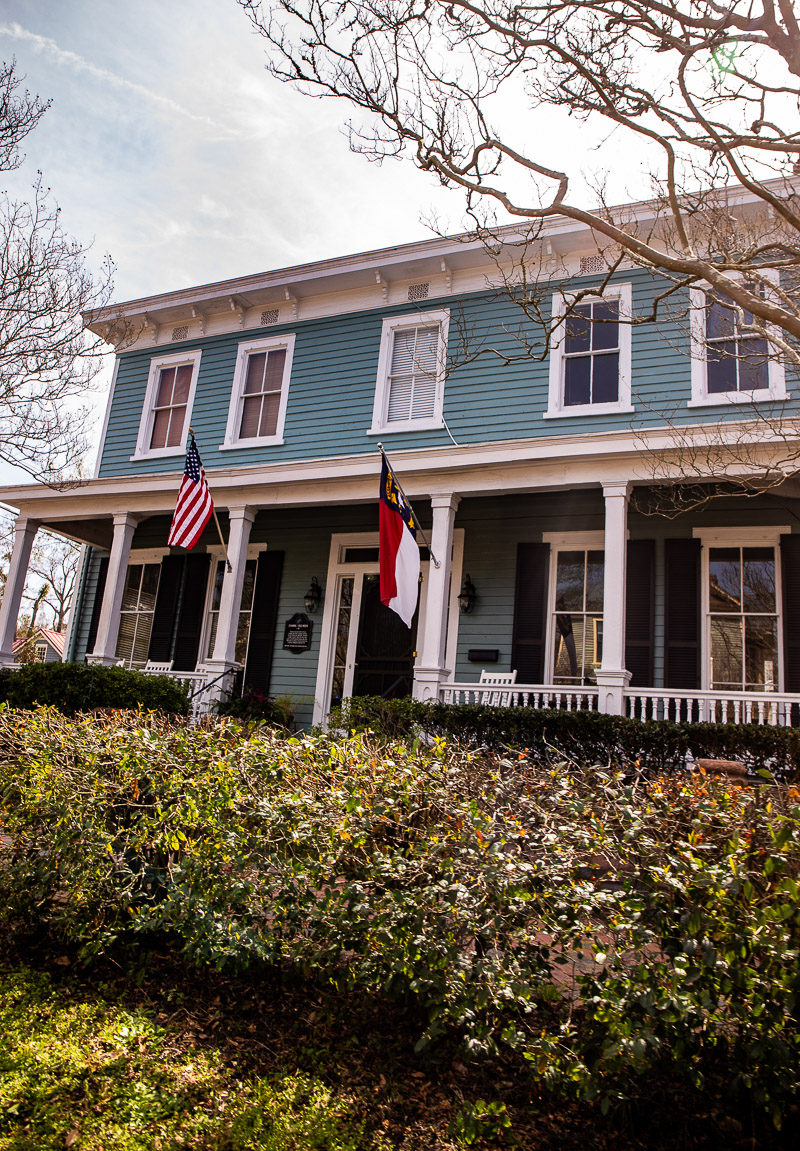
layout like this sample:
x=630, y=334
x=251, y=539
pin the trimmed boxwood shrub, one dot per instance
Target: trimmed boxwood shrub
x=652, y=746
x=74, y=687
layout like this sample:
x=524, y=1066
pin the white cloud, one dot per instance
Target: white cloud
x=78, y=63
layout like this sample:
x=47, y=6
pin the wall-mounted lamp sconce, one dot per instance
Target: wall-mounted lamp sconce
x=313, y=596
x=467, y=596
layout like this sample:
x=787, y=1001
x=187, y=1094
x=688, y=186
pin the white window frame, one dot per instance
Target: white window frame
x=556, y=407
x=594, y=541
x=392, y=324
x=776, y=375
x=217, y=554
x=746, y=538
x=175, y=360
x=266, y=344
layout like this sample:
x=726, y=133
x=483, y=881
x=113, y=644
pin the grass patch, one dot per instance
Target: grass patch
x=90, y=1075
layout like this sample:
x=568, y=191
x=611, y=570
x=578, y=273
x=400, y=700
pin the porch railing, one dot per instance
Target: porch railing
x=200, y=684
x=540, y=695
x=776, y=708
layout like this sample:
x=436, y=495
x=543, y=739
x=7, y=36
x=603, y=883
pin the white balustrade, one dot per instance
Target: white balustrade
x=738, y=707
x=773, y=708
x=556, y=697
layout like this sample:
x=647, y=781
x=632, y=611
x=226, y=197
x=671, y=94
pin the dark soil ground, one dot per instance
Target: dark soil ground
x=266, y=1024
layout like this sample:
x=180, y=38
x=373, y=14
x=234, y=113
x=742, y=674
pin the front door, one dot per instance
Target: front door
x=373, y=650
x=385, y=653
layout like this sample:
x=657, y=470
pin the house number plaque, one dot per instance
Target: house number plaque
x=297, y=633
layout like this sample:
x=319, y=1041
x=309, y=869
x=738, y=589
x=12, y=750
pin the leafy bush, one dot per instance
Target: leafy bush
x=654, y=746
x=74, y=687
x=596, y=927
x=254, y=706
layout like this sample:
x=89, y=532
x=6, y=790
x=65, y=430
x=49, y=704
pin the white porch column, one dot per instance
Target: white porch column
x=430, y=670
x=612, y=677
x=241, y=520
x=105, y=645
x=24, y=535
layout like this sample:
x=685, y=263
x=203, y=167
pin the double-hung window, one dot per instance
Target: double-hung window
x=260, y=392
x=168, y=404
x=732, y=361
x=576, y=625
x=590, y=363
x=136, y=613
x=245, y=609
x=411, y=370
x=742, y=619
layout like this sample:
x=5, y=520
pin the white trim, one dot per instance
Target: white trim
x=454, y=612
x=564, y=542
x=392, y=324
x=337, y=570
x=176, y=360
x=245, y=350
x=575, y=541
x=556, y=409
x=776, y=374
x=106, y=418
x=744, y=537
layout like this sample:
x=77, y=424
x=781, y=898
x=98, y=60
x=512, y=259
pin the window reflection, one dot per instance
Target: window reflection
x=743, y=619
x=578, y=630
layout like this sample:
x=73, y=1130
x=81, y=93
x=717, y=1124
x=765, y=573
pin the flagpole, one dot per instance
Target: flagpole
x=216, y=521
x=436, y=563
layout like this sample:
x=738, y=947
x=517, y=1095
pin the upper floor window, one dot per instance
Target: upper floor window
x=260, y=392
x=168, y=404
x=590, y=363
x=411, y=370
x=732, y=361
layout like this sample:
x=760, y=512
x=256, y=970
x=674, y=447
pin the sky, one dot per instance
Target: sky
x=168, y=146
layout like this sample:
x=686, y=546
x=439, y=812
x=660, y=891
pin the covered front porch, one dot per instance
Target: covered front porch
x=587, y=602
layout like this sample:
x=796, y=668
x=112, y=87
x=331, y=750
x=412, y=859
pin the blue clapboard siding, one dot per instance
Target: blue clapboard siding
x=86, y=604
x=334, y=373
x=495, y=526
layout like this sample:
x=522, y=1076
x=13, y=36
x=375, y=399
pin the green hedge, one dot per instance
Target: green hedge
x=74, y=687
x=651, y=746
x=591, y=927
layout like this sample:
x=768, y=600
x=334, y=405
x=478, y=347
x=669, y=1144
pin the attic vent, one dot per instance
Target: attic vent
x=417, y=292
x=592, y=265
x=181, y=332
x=270, y=316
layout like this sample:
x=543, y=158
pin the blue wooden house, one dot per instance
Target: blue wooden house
x=531, y=470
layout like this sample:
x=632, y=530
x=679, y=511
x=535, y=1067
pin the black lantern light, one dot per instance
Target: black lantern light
x=313, y=596
x=466, y=597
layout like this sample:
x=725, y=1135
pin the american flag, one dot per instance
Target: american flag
x=194, y=507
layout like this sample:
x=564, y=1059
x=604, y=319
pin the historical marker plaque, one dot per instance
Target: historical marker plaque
x=297, y=633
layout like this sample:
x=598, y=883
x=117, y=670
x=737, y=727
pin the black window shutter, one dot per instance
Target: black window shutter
x=263, y=621
x=682, y=610
x=530, y=612
x=790, y=573
x=639, y=592
x=169, y=585
x=190, y=613
x=102, y=573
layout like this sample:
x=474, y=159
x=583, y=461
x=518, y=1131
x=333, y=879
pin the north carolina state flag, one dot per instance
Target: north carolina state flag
x=399, y=551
